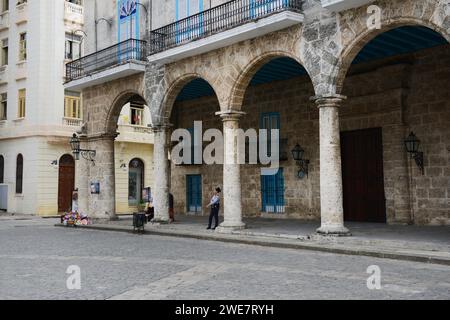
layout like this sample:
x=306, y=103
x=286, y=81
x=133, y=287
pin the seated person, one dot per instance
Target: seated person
x=150, y=211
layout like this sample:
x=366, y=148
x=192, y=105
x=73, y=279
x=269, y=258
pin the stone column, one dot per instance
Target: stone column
x=103, y=205
x=331, y=192
x=231, y=173
x=82, y=179
x=160, y=191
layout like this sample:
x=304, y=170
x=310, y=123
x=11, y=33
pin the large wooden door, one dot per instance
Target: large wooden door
x=66, y=183
x=362, y=175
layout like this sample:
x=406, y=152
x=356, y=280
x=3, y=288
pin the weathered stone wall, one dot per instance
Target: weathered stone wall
x=428, y=115
x=325, y=44
x=398, y=94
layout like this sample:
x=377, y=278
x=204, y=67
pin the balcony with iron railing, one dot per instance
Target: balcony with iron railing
x=73, y=12
x=121, y=60
x=220, y=26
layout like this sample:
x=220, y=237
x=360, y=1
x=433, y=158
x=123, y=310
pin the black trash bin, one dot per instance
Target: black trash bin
x=139, y=222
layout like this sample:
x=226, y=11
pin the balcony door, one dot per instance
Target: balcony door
x=188, y=29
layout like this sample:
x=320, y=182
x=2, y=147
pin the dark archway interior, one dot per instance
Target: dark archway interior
x=399, y=41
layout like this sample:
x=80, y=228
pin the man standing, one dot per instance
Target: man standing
x=215, y=207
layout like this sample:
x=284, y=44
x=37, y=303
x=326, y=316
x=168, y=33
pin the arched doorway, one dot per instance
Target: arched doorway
x=394, y=85
x=135, y=181
x=275, y=95
x=192, y=107
x=130, y=119
x=66, y=182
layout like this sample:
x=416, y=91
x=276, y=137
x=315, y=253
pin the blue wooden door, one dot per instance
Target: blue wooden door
x=272, y=186
x=194, y=193
x=272, y=192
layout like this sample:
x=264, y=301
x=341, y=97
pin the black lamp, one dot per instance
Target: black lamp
x=412, y=144
x=86, y=154
x=298, y=153
x=75, y=145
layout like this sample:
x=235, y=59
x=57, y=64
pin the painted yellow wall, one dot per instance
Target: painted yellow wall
x=124, y=153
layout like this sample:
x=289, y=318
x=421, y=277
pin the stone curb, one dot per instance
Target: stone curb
x=283, y=243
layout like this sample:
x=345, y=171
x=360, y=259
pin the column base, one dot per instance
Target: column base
x=228, y=227
x=334, y=230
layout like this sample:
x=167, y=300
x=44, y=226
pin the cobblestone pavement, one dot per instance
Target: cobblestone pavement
x=34, y=257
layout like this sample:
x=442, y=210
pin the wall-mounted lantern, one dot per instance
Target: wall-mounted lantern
x=412, y=144
x=86, y=154
x=298, y=154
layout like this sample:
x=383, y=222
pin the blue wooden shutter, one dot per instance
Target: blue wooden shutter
x=272, y=187
x=280, y=188
x=263, y=193
x=194, y=193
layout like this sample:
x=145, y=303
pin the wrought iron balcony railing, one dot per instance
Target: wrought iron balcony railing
x=223, y=17
x=123, y=52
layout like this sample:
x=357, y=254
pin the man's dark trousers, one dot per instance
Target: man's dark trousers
x=214, y=214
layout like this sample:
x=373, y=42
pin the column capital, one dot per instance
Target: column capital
x=230, y=115
x=328, y=100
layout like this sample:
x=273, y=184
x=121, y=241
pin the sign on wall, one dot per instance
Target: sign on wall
x=95, y=187
x=128, y=15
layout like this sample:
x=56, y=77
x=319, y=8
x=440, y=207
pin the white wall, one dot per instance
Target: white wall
x=41, y=136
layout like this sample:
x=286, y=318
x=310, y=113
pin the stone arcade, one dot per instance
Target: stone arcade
x=343, y=86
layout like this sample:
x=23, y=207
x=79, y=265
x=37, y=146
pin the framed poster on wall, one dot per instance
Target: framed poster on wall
x=95, y=187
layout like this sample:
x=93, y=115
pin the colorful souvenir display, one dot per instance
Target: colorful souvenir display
x=74, y=218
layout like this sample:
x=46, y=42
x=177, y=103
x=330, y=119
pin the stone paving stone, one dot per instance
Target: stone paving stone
x=34, y=257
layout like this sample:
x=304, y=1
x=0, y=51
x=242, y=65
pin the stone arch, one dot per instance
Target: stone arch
x=116, y=106
x=419, y=14
x=174, y=88
x=244, y=77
